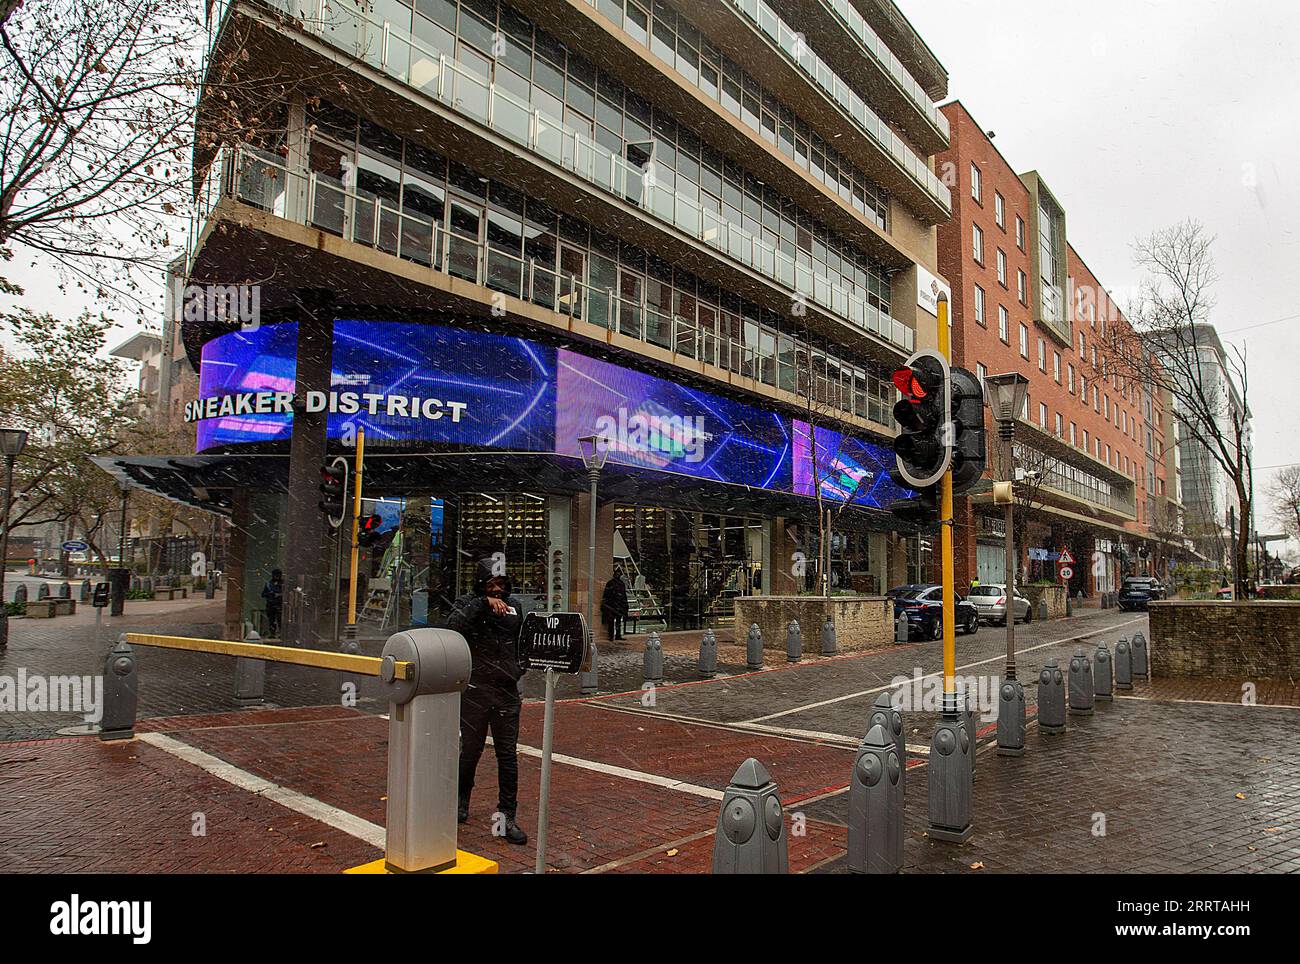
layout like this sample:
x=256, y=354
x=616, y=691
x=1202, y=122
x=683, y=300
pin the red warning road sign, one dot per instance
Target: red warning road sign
x=1065, y=558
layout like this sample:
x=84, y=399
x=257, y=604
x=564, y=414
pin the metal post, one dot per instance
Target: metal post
x=338, y=572
x=350, y=631
x=590, y=680
x=4, y=547
x=544, y=802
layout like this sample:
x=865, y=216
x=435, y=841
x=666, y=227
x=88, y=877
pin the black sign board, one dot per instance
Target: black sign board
x=553, y=641
x=100, y=598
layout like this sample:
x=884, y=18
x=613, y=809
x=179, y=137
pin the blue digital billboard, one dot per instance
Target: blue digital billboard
x=409, y=384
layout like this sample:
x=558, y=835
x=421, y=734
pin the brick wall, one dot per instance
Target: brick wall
x=1259, y=639
x=861, y=622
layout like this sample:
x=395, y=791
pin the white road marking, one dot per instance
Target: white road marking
x=350, y=824
x=910, y=679
x=639, y=776
x=1170, y=699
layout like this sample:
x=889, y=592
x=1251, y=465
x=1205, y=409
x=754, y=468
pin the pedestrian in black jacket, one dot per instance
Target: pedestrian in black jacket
x=490, y=619
x=613, y=606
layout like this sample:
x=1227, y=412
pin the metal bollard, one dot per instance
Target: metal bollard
x=65, y=591
x=250, y=675
x=85, y=592
x=972, y=730
x=751, y=835
x=1105, y=600
x=121, y=694
x=1069, y=604
x=1042, y=607
x=708, y=654
x=652, y=660
x=829, y=647
x=589, y=679
x=1080, y=682
x=20, y=593
x=1141, y=666
x=210, y=588
x=901, y=632
x=1051, y=699
x=884, y=714
x=423, y=747
x=876, y=806
x=950, y=780
x=1102, y=673
x=43, y=591
x=754, y=648
x=1123, y=665
x=1011, y=718
x=793, y=642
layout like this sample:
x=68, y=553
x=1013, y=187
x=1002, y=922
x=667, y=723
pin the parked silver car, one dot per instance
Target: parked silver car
x=991, y=602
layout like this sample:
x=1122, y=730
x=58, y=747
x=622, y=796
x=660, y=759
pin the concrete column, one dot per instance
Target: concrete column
x=779, y=580
x=305, y=582
x=236, y=552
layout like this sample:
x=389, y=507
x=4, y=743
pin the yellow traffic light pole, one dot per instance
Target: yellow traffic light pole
x=351, y=630
x=945, y=545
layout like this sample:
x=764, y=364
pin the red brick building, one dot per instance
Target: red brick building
x=1024, y=300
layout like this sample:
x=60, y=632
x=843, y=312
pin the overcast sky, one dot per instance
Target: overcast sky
x=1140, y=113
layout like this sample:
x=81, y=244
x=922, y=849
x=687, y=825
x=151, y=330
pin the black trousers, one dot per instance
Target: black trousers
x=495, y=708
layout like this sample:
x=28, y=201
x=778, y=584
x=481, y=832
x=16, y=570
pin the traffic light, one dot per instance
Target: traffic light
x=921, y=448
x=334, y=490
x=368, y=530
x=969, y=451
x=920, y=510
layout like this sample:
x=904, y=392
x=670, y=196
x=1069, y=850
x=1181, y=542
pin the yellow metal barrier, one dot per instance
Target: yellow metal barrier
x=320, y=659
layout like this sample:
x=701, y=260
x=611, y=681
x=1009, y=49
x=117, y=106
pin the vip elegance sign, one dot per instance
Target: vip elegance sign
x=408, y=384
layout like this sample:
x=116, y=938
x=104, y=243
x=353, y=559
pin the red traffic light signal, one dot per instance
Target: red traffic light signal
x=333, y=490
x=921, y=450
x=368, y=529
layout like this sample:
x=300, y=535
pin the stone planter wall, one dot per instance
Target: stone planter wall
x=861, y=622
x=1055, y=599
x=1257, y=639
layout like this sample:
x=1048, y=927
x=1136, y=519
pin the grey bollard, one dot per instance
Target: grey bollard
x=886, y=715
x=972, y=730
x=1051, y=698
x=65, y=591
x=121, y=694
x=86, y=590
x=43, y=591
x=589, y=678
x=210, y=588
x=1105, y=600
x=1069, y=604
x=793, y=642
x=1123, y=665
x=829, y=647
x=20, y=593
x=876, y=806
x=423, y=747
x=901, y=632
x=1011, y=718
x=751, y=836
x=1042, y=607
x=1102, y=673
x=708, y=666
x=250, y=676
x=1141, y=666
x=652, y=660
x=754, y=648
x=950, y=781
x=1080, y=683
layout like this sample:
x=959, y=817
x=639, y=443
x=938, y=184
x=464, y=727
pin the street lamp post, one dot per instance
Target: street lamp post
x=12, y=442
x=1006, y=398
x=594, y=455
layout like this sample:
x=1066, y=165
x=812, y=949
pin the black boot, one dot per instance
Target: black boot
x=514, y=833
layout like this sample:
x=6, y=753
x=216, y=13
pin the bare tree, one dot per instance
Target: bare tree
x=1284, y=497
x=1171, y=346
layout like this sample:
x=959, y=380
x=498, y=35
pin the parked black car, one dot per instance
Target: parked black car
x=1137, y=591
x=923, y=605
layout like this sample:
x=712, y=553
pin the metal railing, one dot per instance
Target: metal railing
x=263, y=180
x=405, y=57
x=797, y=51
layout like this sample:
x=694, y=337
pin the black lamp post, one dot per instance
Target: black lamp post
x=12, y=443
x=594, y=454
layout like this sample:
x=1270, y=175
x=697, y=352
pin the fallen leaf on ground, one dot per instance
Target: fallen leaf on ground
x=978, y=865
x=673, y=852
x=318, y=844
x=1241, y=796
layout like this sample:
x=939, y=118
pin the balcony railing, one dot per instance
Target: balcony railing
x=797, y=51
x=407, y=58
x=262, y=180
